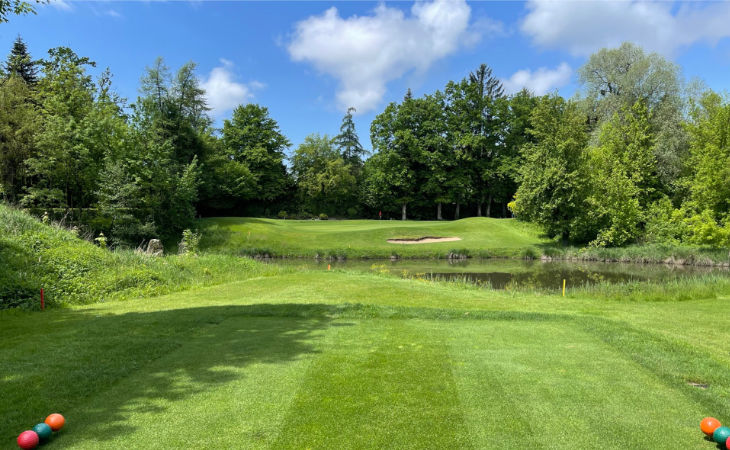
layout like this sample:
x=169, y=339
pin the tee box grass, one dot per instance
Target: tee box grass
x=304, y=359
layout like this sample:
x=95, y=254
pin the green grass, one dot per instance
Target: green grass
x=367, y=238
x=73, y=271
x=320, y=359
x=481, y=238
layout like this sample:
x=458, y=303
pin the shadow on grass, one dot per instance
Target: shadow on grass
x=59, y=360
x=67, y=361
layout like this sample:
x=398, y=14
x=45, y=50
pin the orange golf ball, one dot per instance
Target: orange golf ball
x=56, y=421
x=709, y=425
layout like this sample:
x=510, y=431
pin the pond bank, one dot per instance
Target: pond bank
x=672, y=257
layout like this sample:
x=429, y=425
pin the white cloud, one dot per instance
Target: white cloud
x=364, y=53
x=60, y=4
x=539, y=82
x=583, y=27
x=222, y=92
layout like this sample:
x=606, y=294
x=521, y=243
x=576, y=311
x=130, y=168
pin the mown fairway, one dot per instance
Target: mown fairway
x=344, y=360
x=368, y=238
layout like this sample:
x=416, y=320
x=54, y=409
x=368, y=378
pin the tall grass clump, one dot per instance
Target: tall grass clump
x=646, y=254
x=707, y=286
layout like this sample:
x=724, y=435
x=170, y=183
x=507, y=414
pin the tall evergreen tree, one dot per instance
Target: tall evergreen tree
x=486, y=84
x=20, y=64
x=348, y=143
x=476, y=132
x=18, y=126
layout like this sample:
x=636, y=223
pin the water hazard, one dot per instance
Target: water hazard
x=509, y=273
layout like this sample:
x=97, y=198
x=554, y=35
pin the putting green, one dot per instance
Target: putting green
x=368, y=238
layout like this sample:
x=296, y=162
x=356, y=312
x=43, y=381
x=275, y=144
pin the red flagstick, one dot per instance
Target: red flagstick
x=43, y=303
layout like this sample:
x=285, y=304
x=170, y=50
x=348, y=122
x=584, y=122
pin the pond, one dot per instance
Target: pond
x=511, y=273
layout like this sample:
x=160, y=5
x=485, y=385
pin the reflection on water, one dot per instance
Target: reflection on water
x=508, y=273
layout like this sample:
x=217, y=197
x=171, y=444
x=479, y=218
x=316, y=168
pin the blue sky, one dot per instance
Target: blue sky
x=308, y=61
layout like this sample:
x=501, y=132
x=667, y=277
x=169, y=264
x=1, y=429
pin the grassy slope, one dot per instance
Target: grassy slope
x=339, y=359
x=367, y=238
x=481, y=237
x=72, y=271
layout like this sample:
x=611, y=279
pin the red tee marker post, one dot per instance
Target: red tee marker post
x=43, y=303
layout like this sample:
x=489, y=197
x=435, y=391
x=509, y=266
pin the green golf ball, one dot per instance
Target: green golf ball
x=721, y=434
x=43, y=431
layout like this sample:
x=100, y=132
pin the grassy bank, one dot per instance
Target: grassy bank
x=322, y=359
x=480, y=237
x=74, y=271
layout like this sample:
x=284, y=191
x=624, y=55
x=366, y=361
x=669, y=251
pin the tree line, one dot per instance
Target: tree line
x=638, y=156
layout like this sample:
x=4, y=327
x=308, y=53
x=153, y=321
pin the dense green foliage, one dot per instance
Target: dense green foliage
x=252, y=139
x=325, y=177
x=74, y=149
x=552, y=179
x=72, y=271
x=456, y=148
x=641, y=168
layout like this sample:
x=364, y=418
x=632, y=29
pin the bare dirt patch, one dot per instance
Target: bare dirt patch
x=423, y=240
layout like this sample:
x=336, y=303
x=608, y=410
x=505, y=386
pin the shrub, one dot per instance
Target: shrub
x=282, y=214
x=190, y=243
x=664, y=223
x=101, y=240
x=323, y=216
x=352, y=212
x=705, y=230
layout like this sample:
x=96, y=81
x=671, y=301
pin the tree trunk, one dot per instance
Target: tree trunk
x=504, y=209
x=438, y=212
x=479, y=209
x=489, y=206
x=403, y=209
x=456, y=213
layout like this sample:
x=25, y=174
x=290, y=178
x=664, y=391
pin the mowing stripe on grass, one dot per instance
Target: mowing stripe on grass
x=674, y=361
x=228, y=386
x=550, y=385
x=378, y=384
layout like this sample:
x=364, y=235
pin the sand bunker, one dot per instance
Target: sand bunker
x=423, y=240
